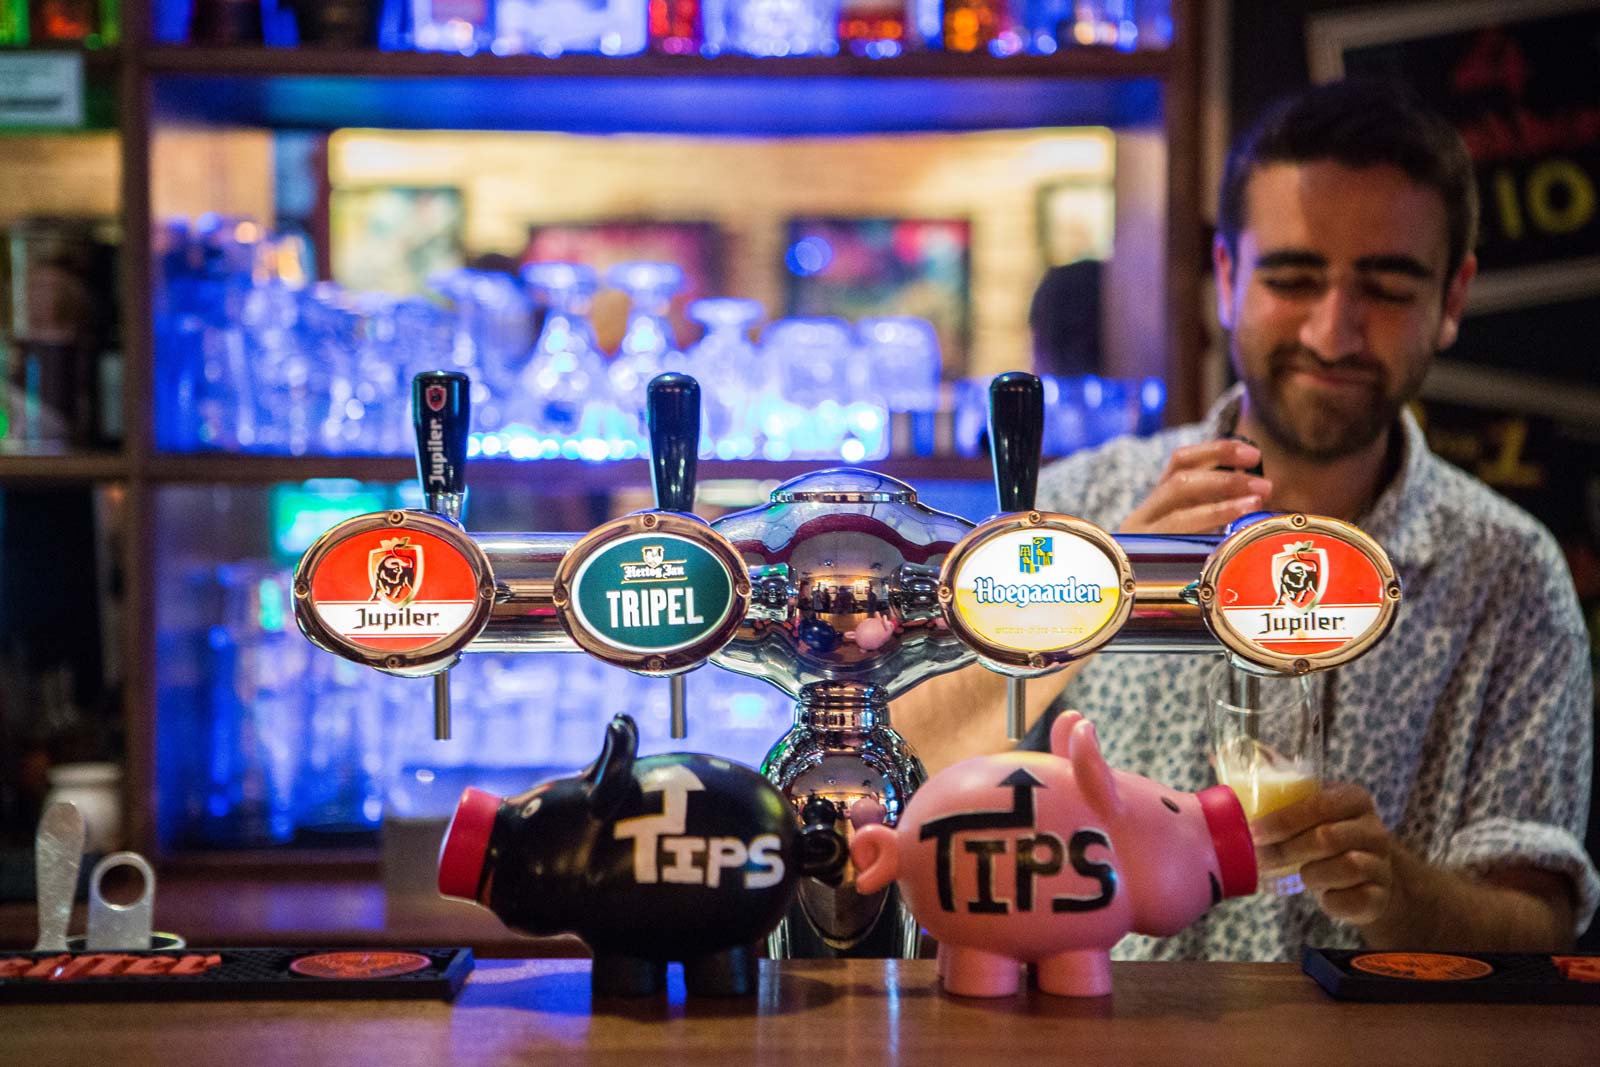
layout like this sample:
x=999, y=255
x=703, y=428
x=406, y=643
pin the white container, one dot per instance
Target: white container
x=96, y=790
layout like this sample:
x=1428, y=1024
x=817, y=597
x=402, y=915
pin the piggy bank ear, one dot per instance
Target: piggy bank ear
x=1090, y=771
x=876, y=853
x=1061, y=732
x=611, y=776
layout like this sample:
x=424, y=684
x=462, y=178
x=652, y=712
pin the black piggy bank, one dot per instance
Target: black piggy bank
x=676, y=857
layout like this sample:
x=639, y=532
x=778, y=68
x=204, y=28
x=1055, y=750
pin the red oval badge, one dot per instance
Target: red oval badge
x=349, y=965
x=393, y=590
x=1300, y=588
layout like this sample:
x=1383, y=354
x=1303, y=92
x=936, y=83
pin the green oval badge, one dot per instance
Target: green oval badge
x=652, y=593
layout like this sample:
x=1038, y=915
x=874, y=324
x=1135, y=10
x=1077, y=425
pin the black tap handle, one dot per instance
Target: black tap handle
x=673, y=405
x=1016, y=430
x=440, y=410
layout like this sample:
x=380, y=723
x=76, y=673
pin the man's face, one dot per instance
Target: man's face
x=1337, y=301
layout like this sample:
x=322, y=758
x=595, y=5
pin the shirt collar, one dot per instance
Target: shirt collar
x=1398, y=519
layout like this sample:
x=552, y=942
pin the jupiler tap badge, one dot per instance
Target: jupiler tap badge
x=391, y=591
x=1300, y=595
x=652, y=593
x=1034, y=590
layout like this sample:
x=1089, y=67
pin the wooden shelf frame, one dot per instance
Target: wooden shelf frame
x=263, y=78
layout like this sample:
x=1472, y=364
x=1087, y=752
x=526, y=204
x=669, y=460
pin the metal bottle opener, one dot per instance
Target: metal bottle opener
x=121, y=927
x=58, y=852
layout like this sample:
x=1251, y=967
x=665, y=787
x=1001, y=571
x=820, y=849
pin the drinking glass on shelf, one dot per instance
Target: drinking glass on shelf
x=1266, y=744
x=566, y=376
x=900, y=355
x=735, y=385
x=648, y=346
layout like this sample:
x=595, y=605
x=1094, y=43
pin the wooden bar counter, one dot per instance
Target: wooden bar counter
x=822, y=1014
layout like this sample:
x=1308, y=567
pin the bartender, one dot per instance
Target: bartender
x=1459, y=750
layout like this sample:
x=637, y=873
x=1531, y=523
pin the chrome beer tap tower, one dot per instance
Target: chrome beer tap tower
x=844, y=592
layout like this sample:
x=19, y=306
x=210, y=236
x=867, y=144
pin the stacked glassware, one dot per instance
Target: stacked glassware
x=251, y=357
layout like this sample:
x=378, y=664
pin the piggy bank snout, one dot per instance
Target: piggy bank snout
x=466, y=844
x=1230, y=837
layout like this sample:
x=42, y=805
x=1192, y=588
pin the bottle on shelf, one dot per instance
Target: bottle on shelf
x=873, y=28
x=91, y=23
x=675, y=27
x=227, y=22
x=13, y=23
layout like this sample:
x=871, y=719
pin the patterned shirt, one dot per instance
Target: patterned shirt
x=1469, y=723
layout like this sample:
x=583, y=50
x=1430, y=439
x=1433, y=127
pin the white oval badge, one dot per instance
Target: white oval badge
x=1052, y=588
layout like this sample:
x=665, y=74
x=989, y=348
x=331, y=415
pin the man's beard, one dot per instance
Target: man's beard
x=1330, y=427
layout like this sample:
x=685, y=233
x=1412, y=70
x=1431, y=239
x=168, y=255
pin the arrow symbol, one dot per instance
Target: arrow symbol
x=1019, y=817
x=674, y=782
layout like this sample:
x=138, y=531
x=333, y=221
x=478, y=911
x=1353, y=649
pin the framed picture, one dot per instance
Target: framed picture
x=693, y=245
x=390, y=238
x=1519, y=82
x=1076, y=220
x=857, y=268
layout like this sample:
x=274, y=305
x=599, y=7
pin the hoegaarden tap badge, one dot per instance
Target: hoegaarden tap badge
x=1037, y=589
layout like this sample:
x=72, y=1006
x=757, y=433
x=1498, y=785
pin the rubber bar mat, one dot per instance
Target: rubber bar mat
x=235, y=974
x=1523, y=978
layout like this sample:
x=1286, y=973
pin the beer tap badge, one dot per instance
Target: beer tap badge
x=651, y=593
x=388, y=590
x=1036, y=589
x=1301, y=593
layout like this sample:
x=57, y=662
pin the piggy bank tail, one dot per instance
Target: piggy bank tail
x=875, y=850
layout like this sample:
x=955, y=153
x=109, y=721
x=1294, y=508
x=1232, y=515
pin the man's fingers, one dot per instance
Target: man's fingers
x=1346, y=870
x=1359, y=906
x=1205, y=518
x=1219, y=452
x=1334, y=802
x=1319, y=842
x=1191, y=487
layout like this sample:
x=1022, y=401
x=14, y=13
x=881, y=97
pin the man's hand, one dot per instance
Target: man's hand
x=1362, y=875
x=1193, y=496
x=1344, y=853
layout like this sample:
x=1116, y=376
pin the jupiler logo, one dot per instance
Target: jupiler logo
x=1300, y=575
x=653, y=566
x=395, y=570
x=435, y=396
x=1037, y=556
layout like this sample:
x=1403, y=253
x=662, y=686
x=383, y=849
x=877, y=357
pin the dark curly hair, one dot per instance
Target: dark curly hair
x=1358, y=123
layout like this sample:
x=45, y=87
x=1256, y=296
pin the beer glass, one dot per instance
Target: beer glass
x=1266, y=745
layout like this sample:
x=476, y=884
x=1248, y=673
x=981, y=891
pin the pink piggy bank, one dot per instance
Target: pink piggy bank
x=1050, y=859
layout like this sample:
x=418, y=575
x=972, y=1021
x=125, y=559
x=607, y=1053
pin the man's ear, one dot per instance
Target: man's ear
x=1222, y=263
x=1455, y=303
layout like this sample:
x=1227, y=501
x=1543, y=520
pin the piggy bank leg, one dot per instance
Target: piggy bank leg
x=1083, y=973
x=616, y=975
x=971, y=972
x=733, y=972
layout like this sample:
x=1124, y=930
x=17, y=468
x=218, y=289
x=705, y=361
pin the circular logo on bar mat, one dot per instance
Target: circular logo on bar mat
x=1299, y=592
x=387, y=584
x=1036, y=590
x=1421, y=966
x=349, y=965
